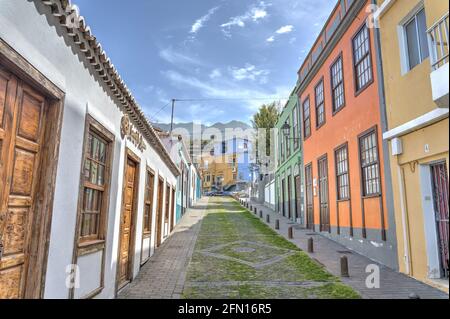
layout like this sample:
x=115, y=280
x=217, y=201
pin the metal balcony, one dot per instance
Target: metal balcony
x=438, y=46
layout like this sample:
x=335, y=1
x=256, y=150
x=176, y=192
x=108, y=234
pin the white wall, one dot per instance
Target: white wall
x=24, y=25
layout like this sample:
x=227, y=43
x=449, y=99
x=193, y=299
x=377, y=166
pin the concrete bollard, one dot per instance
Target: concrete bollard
x=277, y=224
x=290, y=232
x=414, y=296
x=310, y=245
x=344, y=267
x=268, y=219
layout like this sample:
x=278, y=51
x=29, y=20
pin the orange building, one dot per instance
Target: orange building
x=347, y=194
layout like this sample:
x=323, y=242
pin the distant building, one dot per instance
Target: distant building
x=227, y=165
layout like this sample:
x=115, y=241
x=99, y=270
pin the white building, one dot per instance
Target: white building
x=84, y=180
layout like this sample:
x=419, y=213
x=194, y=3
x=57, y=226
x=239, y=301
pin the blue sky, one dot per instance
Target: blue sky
x=217, y=51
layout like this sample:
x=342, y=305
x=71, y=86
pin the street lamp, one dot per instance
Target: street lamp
x=286, y=128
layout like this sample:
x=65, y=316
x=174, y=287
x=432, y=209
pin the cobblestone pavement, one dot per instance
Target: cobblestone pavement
x=238, y=256
x=163, y=276
x=393, y=285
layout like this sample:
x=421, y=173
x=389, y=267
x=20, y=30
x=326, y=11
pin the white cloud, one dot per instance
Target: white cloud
x=249, y=72
x=178, y=58
x=216, y=73
x=228, y=89
x=271, y=39
x=201, y=22
x=285, y=29
x=259, y=14
x=254, y=13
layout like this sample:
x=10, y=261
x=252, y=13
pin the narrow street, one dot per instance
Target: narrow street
x=221, y=250
x=235, y=256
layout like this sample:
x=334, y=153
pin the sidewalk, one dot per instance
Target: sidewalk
x=164, y=275
x=393, y=285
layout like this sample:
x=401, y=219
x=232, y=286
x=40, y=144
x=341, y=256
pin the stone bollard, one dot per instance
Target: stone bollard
x=268, y=219
x=290, y=232
x=277, y=224
x=344, y=267
x=310, y=245
x=414, y=296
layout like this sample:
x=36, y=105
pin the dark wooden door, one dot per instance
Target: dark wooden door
x=159, y=213
x=172, y=211
x=283, y=197
x=22, y=124
x=289, y=183
x=298, y=202
x=309, y=197
x=126, y=223
x=440, y=194
x=323, y=195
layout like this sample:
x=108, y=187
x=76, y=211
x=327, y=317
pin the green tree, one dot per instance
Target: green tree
x=266, y=118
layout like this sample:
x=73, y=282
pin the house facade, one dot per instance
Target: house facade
x=289, y=172
x=86, y=185
x=414, y=36
x=347, y=179
x=225, y=164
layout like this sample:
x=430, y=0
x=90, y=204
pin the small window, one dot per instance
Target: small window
x=224, y=147
x=306, y=118
x=320, y=104
x=342, y=177
x=337, y=85
x=362, y=58
x=211, y=152
x=149, y=187
x=368, y=146
x=295, y=129
x=416, y=39
x=95, y=179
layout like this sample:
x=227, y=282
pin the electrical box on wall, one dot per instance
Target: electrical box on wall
x=397, y=146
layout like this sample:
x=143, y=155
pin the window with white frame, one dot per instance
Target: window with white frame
x=415, y=39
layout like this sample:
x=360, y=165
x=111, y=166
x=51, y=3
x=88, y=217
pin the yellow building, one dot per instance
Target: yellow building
x=414, y=52
x=219, y=171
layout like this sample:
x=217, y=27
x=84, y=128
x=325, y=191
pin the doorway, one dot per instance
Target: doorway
x=128, y=220
x=159, y=212
x=439, y=178
x=323, y=195
x=30, y=126
x=309, y=197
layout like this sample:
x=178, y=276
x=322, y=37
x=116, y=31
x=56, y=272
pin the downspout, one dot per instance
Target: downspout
x=405, y=222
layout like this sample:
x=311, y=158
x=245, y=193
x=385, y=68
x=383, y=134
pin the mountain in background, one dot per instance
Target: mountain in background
x=189, y=126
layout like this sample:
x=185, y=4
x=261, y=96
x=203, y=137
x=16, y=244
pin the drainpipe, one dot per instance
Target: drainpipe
x=405, y=223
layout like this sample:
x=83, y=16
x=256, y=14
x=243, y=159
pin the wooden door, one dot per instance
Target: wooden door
x=309, y=197
x=440, y=195
x=283, y=197
x=172, y=211
x=126, y=223
x=22, y=124
x=289, y=183
x=298, y=202
x=167, y=210
x=323, y=195
x=159, y=213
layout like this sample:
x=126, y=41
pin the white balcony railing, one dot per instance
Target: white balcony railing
x=438, y=42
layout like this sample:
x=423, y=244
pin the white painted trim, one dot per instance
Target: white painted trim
x=385, y=6
x=420, y=122
x=405, y=224
x=429, y=218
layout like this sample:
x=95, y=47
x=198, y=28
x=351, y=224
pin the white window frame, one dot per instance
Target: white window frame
x=403, y=43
